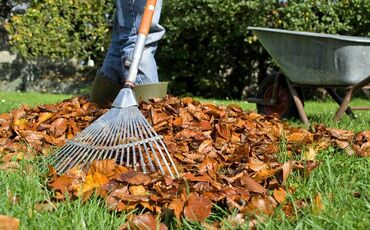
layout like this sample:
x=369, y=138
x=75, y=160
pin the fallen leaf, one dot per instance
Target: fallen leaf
x=198, y=208
x=134, y=178
x=94, y=181
x=9, y=223
x=45, y=206
x=146, y=221
x=318, y=205
x=279, y=195
x=138, y=190
x=251, y=185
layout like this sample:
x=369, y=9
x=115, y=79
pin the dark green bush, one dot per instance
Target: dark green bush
x=62, y=29
x=207, y=49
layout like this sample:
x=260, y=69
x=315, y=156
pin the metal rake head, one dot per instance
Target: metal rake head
x=122, y=134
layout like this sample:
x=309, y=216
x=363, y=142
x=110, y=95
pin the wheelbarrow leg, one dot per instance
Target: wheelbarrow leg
x=339, y=101
x=348, y=97
x=298, y=103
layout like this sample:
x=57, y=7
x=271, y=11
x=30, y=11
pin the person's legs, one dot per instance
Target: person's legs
x=126, y=24
x=114, y=70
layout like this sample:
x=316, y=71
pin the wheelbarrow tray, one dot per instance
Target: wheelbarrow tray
x=317, y=59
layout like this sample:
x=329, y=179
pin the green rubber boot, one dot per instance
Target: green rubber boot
x=104, y=91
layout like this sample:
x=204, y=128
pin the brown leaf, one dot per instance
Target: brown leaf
x=251, y=185
x=340, y=134
x=262, y=204
x=177, y=205
x=61, y=183
x=42, y=118
x=106, y=167
x=198, y=208
x=59, y=127
x=46, y=206
x=300, y=137
x=134, y=178
x=138, y=190
x=144, y=221
x=9, y=223
x=279, y=195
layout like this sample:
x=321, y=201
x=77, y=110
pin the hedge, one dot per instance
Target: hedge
x=207, y=50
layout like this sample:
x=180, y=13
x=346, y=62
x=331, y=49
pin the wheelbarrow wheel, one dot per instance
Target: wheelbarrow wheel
x=284, y=105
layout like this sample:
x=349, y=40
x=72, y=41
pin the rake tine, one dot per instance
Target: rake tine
x=64, y=164
x=125, y=137
x=137, y=133
x=114, y=138
x=151, y=145
x=169, y=157
x=163, y=158
x=64, y=158
x=121, y=135
x=146, y=136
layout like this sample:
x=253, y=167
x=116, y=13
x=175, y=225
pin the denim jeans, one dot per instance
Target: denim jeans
x=126, y=24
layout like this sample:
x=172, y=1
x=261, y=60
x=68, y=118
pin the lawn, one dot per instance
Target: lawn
x=342, y=181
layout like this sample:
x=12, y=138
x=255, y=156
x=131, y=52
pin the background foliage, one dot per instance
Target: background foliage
x=207, y=50
x=62, y=29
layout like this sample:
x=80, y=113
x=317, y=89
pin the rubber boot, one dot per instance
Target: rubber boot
x=104, y=91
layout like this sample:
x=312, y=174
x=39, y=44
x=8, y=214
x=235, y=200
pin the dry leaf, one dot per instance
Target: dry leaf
x=251, y=185
x=9, y=223
x=134, y=178
x=279, y=195
x=198, y=208
x=318, y=205
x=143, y=221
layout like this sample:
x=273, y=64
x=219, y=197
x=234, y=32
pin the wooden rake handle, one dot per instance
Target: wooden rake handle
x=146, y=20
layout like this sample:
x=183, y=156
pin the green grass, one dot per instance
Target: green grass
x=343, y=181
x=344, y=185
x=12, y=100
x=30, y=189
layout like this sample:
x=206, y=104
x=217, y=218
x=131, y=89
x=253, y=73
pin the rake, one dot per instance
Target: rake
x=122, y=133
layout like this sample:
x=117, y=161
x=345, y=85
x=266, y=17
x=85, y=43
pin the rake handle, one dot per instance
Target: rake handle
x=146, y=20
x=143, y=32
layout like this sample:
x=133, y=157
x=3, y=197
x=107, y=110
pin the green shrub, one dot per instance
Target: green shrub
x=207, y=50
x=62, y=29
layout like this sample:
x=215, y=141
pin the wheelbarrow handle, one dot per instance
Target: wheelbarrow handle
x=143, y=32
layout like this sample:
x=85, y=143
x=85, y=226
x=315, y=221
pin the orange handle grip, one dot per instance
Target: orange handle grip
x=146, y=20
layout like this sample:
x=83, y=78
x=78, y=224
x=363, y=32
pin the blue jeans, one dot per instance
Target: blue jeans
x=126, y=24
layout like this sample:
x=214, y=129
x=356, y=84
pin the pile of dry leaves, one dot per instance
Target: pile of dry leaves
x=225, y=156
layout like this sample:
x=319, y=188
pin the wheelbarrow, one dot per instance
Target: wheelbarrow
x=307, y=59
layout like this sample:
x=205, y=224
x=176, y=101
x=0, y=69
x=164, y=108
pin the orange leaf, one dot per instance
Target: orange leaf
x=301, y=137
x=93, y=181
x=9, y=223
x=42, y=118
x=251, y=185
x=105, y=167
x=61, y=183
x=147, y=221
x=138, y=190
x=318, y=205
x=198, y=208
x=134, y=178
x=279, y=195
x=177, y=205
x=21, y=124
